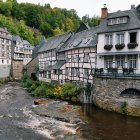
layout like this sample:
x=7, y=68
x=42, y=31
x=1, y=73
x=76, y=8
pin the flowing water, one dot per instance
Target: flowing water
x=19, y=120
x=104, y=125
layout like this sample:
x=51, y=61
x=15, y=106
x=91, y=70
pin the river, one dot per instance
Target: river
x=19, y=120
x=104, y=125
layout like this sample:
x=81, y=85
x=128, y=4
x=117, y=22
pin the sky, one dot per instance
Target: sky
x=90, y=7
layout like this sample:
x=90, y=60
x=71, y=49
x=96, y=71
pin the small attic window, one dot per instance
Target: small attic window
x=118, y=20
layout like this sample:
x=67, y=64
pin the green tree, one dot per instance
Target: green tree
x=57, y=31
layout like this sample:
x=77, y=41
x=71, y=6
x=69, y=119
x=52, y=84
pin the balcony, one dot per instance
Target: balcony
x=115, y=72
x=108, y=47
x=119, y=46
x=132, y=45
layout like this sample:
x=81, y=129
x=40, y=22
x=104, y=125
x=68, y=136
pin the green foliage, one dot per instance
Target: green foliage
x=70, y=90
x=123, y=107
x=50, y=21
x=66, y=92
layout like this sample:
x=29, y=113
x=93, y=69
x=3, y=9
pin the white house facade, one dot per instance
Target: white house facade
x=118, y=49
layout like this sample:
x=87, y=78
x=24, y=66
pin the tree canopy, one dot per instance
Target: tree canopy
x=49, y=21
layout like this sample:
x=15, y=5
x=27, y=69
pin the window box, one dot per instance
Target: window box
x=119, y=46
x=108, y=47
x=132, y=45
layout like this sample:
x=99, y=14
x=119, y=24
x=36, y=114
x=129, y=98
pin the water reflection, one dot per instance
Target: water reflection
x=104, y=125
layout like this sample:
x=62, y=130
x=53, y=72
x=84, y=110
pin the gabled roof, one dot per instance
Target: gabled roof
x=58, y=65
x=3, y=30
x=86, y=38
x=38, y=47
x=16, y=38
x=55, y=42
x=133, y=22
x=118, y=14
x=25, y=42
x=83, y=26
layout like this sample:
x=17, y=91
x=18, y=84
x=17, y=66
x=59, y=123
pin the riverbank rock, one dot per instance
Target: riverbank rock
x=40, y=101
x=58, y=110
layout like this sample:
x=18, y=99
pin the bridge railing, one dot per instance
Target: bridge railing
x=124, y=72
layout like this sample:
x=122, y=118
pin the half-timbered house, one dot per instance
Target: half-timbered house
x=48, y=60
x=80, y=56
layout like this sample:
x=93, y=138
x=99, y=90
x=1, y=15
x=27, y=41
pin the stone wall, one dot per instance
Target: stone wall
x=107, y=92
x=31, y=67
x=17, y=69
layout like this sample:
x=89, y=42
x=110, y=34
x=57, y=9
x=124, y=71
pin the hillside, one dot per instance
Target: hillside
x=41, y=20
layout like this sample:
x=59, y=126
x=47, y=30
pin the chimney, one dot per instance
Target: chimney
x=104, y=12
x=132, y=7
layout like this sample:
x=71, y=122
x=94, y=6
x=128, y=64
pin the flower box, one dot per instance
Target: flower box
x=119, y=46
x=132, y=45
x=108, y=47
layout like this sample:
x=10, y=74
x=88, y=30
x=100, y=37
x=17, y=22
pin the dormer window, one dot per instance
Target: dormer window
x=118, y=20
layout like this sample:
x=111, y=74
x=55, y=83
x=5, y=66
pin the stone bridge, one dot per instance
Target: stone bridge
x=108, y=91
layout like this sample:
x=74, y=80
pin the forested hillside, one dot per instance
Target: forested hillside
x=48, y=21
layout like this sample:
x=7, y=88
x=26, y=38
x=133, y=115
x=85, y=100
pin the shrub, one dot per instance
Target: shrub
x=70, y=90
x=123, y=107
x=24, y=77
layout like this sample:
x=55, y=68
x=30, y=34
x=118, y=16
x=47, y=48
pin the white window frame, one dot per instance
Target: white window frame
x=108, y=39
x=120, y=38
x=120, y=61
x=108, y=61
x=132, y=61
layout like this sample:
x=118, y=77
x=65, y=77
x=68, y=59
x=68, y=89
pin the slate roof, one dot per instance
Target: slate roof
x=58, y=65
x=38, y=47
x=4, y=30
x=133, y=22
x=83, y=26
x=25, y=42
x=5, y=36
x=86, y=38
x=55, y=42
x=16, y=38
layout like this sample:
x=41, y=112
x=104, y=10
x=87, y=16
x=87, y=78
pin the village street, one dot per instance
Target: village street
x=18, y=120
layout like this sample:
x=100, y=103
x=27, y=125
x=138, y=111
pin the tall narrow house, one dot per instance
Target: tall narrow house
x=5, y=53
x=17, y=57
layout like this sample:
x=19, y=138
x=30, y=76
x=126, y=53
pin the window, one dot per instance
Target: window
x=60, y=72
x=2, y=61
x=118, y=20
x=67, y=71
x=108, y=61
x=108, y=39
x=76, y=58
x=2, y=40
x=132, y=61
x=120, y=38
x=72, y=71
x=133, y=37
x=86, y=58
x=77, y=72
x=120, y=61
x=86, y=73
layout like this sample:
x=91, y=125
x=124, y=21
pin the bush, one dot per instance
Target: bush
x=70, y=90
x=123, y=107
x=24, y=77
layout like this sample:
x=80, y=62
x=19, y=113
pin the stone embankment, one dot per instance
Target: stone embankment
x=108, y=95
